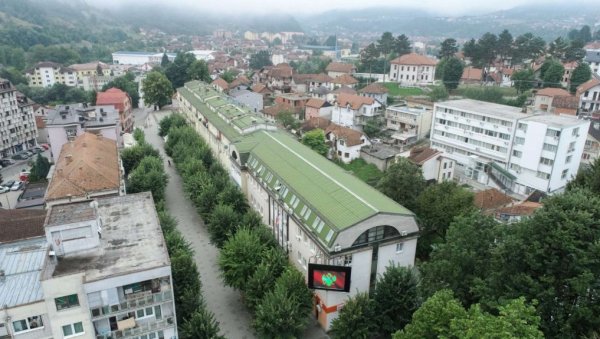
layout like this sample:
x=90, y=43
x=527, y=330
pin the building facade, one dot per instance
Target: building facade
x=46, y=74
x=354, y=111
x=500, y=146
x=121, y=101
x=408, y=123
x=18, y=130
x=413, y=70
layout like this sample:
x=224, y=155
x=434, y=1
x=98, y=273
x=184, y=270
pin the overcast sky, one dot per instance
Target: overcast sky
x=443, y=7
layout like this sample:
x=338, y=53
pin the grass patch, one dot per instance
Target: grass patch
x=395, y=90
x=366, y=172
x=505, y=91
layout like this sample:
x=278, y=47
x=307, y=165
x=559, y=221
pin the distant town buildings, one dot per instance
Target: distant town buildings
x=139, y=58
x=46, y=74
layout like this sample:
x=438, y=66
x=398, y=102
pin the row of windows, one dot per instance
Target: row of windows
x=474, y=129
x=470, y=141
x=477, y=117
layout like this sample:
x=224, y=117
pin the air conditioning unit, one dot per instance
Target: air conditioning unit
x=404, y=233
x=337, y=248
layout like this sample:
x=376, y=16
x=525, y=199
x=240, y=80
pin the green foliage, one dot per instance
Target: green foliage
x=357, y=320
x=186, y=283
x=201, y=325
x=489, y=94
x=148, y=175
x=523, y=80
x=13, y=75
x=581, y=74
x=40, y=169
x=157, y=89
x=139, y=135
x=452, y=72
x=372, y=128
x=57, y=94
x=260, y=60
x=239, y=257
x=584, y=34
x=438, y=93
x=448, y=48
x=164, y=62
x=366, y=172
x=437, y=206
x=315, y=139
x=587, y=178
x=273, y=263
x=198, y=70
x=330, y=41
x=232, y=196
x=403, y=182
x=397, y=91
x=172, y=121
x=557, y=48
x=396, y=298
x=177, y=71
x=553, y=74
x=222, y=224
x=312, y=65
x=132, y=156
x=462, y=261
x=127, y=84
x=284, y=311
x=228, y=76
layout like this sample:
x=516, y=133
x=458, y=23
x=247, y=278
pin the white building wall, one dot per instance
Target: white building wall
x=343, y=116
x=24, y=312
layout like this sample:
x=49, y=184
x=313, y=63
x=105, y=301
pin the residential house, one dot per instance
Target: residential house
x=592, y=57
x=121, y=102
x=240, y=83
x=18, y=130
x=89, y=166
x=333, y=95
x=434, y=165
x=591, y=150
x=344, y=80
x=139, y=58
x=317, y=108
x=88, y=78
x=245, y=97
x=354, y=111
x=376, y=91
x=503, y=147
x=413, y=70
x=299, y=83
x=346, y=143
x=46, y=74
x=489, y=201
x=335, y=69
x=220, y=85
x=66, y=122
x=517, y=212
x=569, y=68
x=545, y=97
x=380, y=155
x=589, y=95
x=565, y=105
x=296, y=102
x=279, y=77
x=292, y=188
x=322, y=93
x=262, y=90
x=315, y=81
x=409, y=124
x=472, y=75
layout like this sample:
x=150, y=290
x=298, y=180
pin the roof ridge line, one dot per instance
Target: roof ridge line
x=323, y=173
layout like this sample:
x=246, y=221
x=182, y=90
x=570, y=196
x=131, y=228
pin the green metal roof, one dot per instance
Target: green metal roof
x=336, y=199
x=503, y=171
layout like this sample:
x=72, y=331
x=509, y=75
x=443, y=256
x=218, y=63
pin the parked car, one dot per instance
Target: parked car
x=17, y=186
x=37, y=150
x=30, y=153
x=4, y=189
x=8, y=183
x=20, y=156
x=6, y=162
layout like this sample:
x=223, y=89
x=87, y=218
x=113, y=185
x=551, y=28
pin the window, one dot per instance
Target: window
x=517, y=154
x=399, y=247
x=575, y=132
x=72, y=329
x=568, y=160
x=27, y=324
x=564, y=174
x=346, y=155
x=551, y=148
x=542, y=175
x=144, y=313
x=552, y=133
x=347, y=260
x=519, y=141
x=67, y=301
x=299, y=257
x=546, y=161
x=571, y=147
x=342, y=142
x=522, y=127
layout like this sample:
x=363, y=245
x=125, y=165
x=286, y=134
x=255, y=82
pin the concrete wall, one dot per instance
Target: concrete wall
x=25, y=311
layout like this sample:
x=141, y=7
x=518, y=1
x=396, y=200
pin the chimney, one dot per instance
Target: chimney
x=69, y=158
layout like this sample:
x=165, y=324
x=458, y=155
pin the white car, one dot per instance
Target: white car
x=4, y=189
x=17, y=186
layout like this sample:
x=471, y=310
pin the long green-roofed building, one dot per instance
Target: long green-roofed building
x=318, y=212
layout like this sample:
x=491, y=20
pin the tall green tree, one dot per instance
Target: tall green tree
x=557, y=48
x=315, y=139
x=287, y=119
x=438, y=93
x=177, y=71
x=523, y=80
x=357, y=320
x=149, y=175
x=581, y=74
x=575, y=51
x=453, y=70
x=157, y=89
x=386, y=43
x=488, y=49
x=403, y=182
x=448, y=48
x=527, y=46
x=222, y=224
x=198, y=70
x=164, y=62
x=40, y=169
x=132, y=156
x=260, y=60
x=396, y=298
x=553, y=75
x=201, y=325
x=505, y=44
x=330, y=41
x=402, y=45
x=127, y=84
x=369, y=54
x=587, y=178
x=436, y=207
x=239, y=257
x=272, y=264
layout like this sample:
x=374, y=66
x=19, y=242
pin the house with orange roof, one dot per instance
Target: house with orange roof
x=345, y=142
x=471, y=75
x=121, y=101
x=354, y=111
x=434, y=165
x=376, y=91
x=318, y=108
x=413, y=70
x=589, y=95
x=517, y=212
x=344, y=80
x=87, y=167
x=545, y=97
x=220, y=85
x=335, y=69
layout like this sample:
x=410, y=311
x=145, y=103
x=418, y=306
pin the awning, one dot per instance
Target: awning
x=502, y=171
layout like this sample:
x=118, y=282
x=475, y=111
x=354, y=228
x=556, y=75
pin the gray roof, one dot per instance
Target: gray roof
x=557, y=121
x=132, y=241
x=92, y=115
x=592, y=56
x=22, y=263
x=484, y=108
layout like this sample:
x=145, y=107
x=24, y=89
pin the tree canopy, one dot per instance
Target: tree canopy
x=315, y=139
x=403, y=182
x=157, y=89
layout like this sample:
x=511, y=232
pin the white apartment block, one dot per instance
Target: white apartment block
x=100, y=272
x=46, y=74
x=500, y=146
x=18, y=130
x=408, y=123
x=413, y=70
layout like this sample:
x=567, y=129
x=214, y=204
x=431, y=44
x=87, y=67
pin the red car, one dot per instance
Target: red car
x=45, y=146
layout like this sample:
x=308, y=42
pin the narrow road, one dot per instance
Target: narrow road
x=223, y=301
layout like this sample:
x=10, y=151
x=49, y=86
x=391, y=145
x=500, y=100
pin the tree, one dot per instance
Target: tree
x=453, y=70
x=553, y=75
x=201, y=325
x=436, y=208
x=372, y=128
x=228, y=76
x=222, y=223
x=139, y=136
x=331, y=41
x=575, y=51
x=186, y=283
x=284, y=311
x=527, y=46
x=461, y=261
x=587, y=178
x=488, y=49
x=448, y=48
x=403, y=182
x=396, y=298
x=523, y=80
x=157, y=89
x=127, y=84
x=315, y=139
x=402, y=45
x=164, y=62
x=581, y=74
x=552, y=257
x=505, y=43
x=198, y=70
x=171, y=121
x=99, y=71
x=149, y=175
x=132, y=156
x=273, y=263
x=286, y=118
x=39, y=170
x=438, y=93
x=277, y=42
x=557, y=48
x=386, y=43
x=369, y=54
x=239, y=257
x=260, y=60
x=231, y=195
x=177, y=71
x=357, y=320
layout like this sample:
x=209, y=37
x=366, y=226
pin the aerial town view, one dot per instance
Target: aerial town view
x=352, y=169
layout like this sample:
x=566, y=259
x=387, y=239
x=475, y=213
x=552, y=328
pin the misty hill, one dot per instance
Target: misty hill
x=548, y=21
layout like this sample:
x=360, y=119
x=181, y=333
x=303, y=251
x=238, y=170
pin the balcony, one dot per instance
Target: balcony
x=132, y=303
x=139, y=329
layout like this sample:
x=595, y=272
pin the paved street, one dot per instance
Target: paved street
x=11, y=172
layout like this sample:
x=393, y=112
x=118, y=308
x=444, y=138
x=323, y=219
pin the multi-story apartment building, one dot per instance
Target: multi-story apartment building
x=409, y=123
x=413, y=69
x=589, y=95
x=516, y=151
x=18, y=129
x=46, y=74
x=92, y=270
x=354, y=111
x=121, y=101
x=591, y=150
x=317, y=212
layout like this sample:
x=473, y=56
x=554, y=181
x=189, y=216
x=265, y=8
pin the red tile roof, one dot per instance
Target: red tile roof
x=587, y=85
x=374, y=88
x=220, y=83
x=21, y=224
x=491, y=199
x=551, y=92
x=345, y=79
x=340, y=67
x=524, y=208
x=472, y=73
x=355, y=101
x=414, y=59
x=352, y=137
x=418, y=156
x=315, y=103
x=112, y=96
